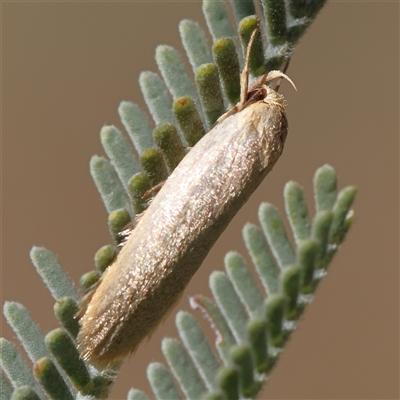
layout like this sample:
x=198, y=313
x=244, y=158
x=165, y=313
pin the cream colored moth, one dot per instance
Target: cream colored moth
x=182, y=223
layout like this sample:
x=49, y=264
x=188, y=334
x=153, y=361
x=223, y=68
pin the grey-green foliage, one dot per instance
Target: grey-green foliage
x=252, y=317
x=252, y=326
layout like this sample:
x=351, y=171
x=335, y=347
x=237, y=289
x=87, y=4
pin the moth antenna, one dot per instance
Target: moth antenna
x=278, y=74
x=244, y=76
x=284, y=69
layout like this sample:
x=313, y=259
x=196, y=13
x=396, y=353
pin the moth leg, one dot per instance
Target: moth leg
x=124, y=234
x=154, y=189
x=130, y=226
x=232, y=111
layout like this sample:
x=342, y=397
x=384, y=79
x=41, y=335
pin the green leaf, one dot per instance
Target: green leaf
x=138, y=185
x=314, y=7
x=108, y=184
x=291, y=288
x=306, y=255
x=157, y=97
x=296, y=209
x=26, y=329
x=168, y=141
x=118, y=151
x=320, y=233
x=189, y=120
x=117, y=222
x=183, y=369
x=257, y=333
x=135, y=394
x=16, y=370
x=88, y=280
x=241, y=357
x=161, y=382
x=217, y=19
x=275, y=19
x=173, y=71
x=214, y=396
x=137, y=125
x=242, y=9
x=262, y=258
x=5, y=388
x=297, y=8
x=244, y=283
x=224, y=337
x=104, y=257
x=198, y=348
x=275, y=309
x=195, y=43
x=53, y=275
x=226, y=58
x=275, y=232
x=47, y=375
x=67, y=356
x=207, y=81
x=228, y=378
x=65, y=309
x=24, y=393
x=340, y=210
x=325, y=187
x=229, y=304
x=246, y=28
x=153, y=163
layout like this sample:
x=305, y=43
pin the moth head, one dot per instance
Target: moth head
x=259, y=90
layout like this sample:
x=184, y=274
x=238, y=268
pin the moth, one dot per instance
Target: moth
x=184, y=220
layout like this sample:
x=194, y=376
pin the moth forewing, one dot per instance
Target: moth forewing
x=179, y=228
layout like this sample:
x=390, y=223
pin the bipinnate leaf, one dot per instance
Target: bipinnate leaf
x=137, y=125
x=104, y=257
x=198, y=348
x=161, y=382
x=207, y=82
x=297, y=212
x=246, y=27
x=189, y=122
x=195, y=43
x=66, y=309
x=244, y=283
x=229, y=304
x=168, y=141
x=262, y=257
x=64, y=351
x=17, y=371
x=226, y=58
x=24, y=393
x=251, y=314
x=241, y=357
x=53, y=275
x=118, y=151
x=274, y=230
x=108, y=184
x=48, y=376
x=183, y=369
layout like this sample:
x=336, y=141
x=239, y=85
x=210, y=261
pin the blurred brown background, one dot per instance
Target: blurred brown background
x=66, y=67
